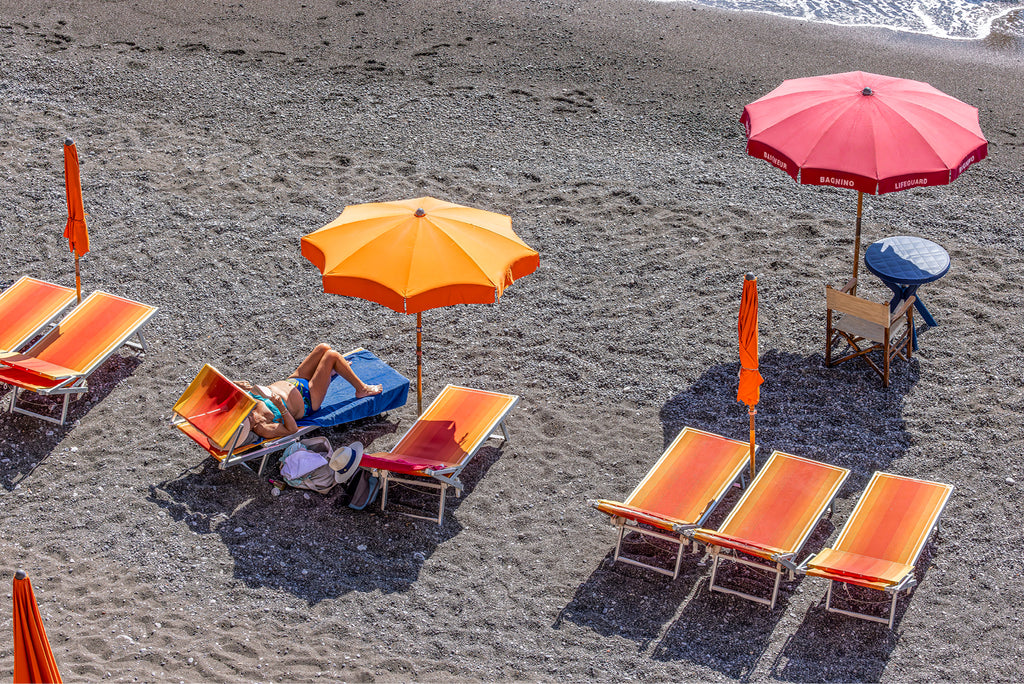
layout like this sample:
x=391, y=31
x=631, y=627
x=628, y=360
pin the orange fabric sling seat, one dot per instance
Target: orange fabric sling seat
x=774, y=518
x=879, y=545
x=28, y=306
x=63, y=359
x=211, y=410
x=680, y=491
x=442, y=441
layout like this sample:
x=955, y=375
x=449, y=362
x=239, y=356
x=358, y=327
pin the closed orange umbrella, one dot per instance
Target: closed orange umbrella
x=419, y=254
x=75, y=231
x=750, y=378
x=33, y=659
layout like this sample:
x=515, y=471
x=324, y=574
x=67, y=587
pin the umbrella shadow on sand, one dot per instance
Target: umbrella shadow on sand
x=311, y=545
x=841, y=415
x=25, y=441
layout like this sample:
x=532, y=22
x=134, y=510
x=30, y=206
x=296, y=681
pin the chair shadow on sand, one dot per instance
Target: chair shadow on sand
x=841, y=416
x=312, y=545
x=829, y=647
x=34, y=444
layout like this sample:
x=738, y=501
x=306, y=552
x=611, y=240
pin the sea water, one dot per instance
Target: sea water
x=953, y=19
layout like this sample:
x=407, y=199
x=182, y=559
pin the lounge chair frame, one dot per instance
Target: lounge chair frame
x=446, y=477
x=781, y=563
x=907, y=584
x=44, y=324
x=681, y=542
x=78, y=384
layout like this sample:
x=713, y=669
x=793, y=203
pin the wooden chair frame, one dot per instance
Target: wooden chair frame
x=866, y=323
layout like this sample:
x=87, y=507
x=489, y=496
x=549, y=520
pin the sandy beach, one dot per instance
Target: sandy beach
x=213, y=137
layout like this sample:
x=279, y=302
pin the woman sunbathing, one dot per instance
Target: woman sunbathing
x=281, y=403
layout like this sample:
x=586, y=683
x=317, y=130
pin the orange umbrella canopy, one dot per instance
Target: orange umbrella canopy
x=419, y=254
x=33, y=659
x=750, y=377
x=75, y=230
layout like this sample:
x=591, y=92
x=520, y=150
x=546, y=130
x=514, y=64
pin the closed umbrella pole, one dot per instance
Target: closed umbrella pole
x=75, y=231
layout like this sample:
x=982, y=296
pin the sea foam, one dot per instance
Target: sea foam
x=954, y=19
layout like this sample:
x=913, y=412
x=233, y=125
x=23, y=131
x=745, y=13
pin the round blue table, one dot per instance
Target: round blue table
x=904, y=264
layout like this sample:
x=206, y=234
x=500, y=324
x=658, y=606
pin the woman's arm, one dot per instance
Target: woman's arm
x=287, y=426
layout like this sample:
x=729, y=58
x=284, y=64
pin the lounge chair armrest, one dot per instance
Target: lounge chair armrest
x=849, y=285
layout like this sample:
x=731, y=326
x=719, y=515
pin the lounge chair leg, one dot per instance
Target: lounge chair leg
x=64, y=410
x=828, y=596
x=714, y=570
x=892, y=608
x=440, y=513
x=775, y=589
x=618, y=542
x=679, y=559
x=383, y=491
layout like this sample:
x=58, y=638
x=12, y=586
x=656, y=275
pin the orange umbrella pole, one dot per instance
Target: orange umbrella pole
x=78, y=281
x=753, y=412
x=856, y=240
x=419, y=362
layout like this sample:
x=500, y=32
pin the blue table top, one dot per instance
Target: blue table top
x=907, y=260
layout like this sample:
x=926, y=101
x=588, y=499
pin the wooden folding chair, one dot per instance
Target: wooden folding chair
x=866, y=327
x=61, y=362
x=773, y=519
x=679, y=492
x=879, y=545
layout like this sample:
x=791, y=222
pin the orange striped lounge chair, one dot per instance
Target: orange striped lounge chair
x=61, y=362
x=679, y=492
x=28, y=306
x=772, y=521
x=879, y=545
x=443, y=440
x=212, y=408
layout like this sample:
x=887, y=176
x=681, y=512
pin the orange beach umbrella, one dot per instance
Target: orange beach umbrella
x=75, y=231
x=419, y=254
x=33, y=659
x=750, y=377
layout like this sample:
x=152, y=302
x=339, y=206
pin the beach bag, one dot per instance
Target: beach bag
x=306, y=465
x=364, y=489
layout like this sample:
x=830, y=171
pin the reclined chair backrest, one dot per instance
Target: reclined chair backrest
x=887, y=530
x=782, y=505
x=26, y=307
x=696, y=469
x=448, y=433
x=864, y=309
x=91, y=332
x=215, y=407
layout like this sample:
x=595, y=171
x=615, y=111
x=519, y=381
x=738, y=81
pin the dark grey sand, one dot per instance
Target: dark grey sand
x=212, y=137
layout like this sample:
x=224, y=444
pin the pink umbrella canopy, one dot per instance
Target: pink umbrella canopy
x=871, y=133
x=865, y=132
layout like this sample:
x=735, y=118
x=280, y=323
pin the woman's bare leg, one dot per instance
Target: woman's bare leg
x=310, y=363
x=332, y=361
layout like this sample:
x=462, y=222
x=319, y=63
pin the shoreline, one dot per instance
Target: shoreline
x=212, y=139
